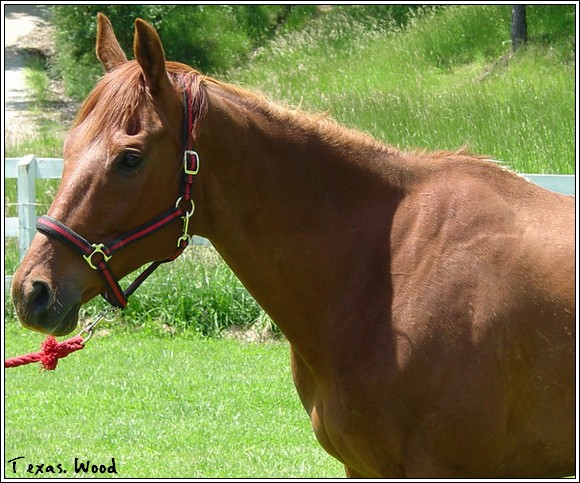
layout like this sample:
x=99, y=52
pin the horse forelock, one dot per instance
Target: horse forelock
x=114, y=101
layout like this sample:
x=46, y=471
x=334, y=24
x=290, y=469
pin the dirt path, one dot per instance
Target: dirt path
x=25, y=28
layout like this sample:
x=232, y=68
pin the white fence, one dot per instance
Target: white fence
x=29, y=168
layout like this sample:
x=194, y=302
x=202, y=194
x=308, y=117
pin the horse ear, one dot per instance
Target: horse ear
x=109, y=52
x=149, y=53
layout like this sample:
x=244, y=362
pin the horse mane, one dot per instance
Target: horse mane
x=125, y=88
x=300, y=121
x=338, y=135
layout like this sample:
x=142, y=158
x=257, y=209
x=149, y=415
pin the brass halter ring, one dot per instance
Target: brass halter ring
x=98, y=248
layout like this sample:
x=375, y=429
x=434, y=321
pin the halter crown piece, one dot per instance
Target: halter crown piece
x=97, y=255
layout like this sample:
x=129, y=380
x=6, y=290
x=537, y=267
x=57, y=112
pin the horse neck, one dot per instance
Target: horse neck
x=283, y=206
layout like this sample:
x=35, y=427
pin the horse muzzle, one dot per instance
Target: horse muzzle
x=42, y=307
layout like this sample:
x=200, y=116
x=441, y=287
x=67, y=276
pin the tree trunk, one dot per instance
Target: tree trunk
x=519, y=26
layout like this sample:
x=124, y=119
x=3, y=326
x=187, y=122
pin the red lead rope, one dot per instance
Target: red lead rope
x=51, y=352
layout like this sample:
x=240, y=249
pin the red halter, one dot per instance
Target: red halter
x=97, y=255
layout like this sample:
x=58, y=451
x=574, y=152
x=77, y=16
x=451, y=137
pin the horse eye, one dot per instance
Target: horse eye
x=130, y=160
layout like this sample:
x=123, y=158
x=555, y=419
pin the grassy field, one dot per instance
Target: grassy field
x=162, y=407
x=449, y=80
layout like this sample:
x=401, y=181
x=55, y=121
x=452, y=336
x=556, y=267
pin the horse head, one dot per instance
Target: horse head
x=122, y=168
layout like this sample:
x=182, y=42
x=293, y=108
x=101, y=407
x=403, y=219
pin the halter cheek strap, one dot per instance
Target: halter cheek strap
x=97, y=255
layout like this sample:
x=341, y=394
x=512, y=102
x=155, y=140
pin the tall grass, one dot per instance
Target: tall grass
x=196, y=296
x=447, y=81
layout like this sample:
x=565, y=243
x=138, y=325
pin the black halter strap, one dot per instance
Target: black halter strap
x=97, y=255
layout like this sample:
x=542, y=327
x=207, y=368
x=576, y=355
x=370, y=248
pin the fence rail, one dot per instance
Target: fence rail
x=29, y=168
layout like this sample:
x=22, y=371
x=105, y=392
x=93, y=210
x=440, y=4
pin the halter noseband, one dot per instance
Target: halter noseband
x=97, y=255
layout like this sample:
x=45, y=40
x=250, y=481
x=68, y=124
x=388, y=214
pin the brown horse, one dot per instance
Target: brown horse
x=429, y=299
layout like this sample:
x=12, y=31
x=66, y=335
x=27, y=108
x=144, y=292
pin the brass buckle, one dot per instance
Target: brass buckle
x=98, y=248
x=186, y=155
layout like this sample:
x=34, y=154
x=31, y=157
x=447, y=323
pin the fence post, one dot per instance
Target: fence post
x=26, y=202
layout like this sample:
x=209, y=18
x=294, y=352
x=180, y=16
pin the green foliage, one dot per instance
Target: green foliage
x=457, y=35
x=211, y=38
x=196, y=295
x=389, y=16
x=205, y=37
x=76, y=31
x=551, y=25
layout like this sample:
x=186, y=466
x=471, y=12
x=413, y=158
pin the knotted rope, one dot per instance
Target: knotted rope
x=51, y=352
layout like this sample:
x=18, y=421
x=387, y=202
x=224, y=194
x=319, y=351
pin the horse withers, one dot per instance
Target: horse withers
x=428, y=298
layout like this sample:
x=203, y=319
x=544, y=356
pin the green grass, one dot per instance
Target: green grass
x=447, y=81
x=162, y=407
x=196, y=295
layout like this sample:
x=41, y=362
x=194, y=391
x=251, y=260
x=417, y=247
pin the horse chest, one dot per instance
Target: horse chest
x=356, y=435
x=348, y=423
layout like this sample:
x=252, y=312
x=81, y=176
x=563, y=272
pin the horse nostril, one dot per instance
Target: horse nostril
x=40, y=297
